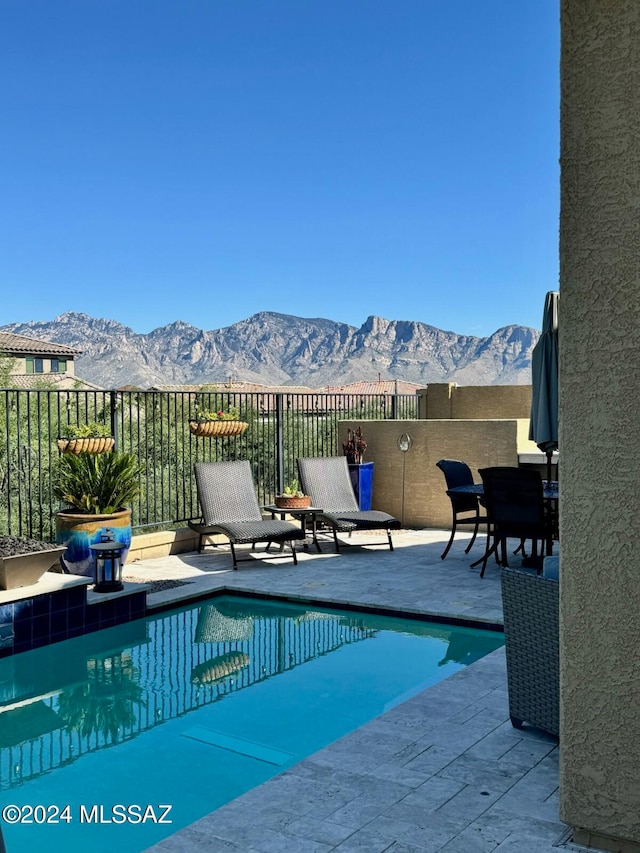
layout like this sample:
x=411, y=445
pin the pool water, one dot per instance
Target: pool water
x=192, y=708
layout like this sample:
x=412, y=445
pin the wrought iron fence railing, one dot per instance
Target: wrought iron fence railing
x=154, y=427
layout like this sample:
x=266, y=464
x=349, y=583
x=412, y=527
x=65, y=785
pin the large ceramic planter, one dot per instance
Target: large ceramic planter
x=362, y=482
x=78, y=531
x=26, y=569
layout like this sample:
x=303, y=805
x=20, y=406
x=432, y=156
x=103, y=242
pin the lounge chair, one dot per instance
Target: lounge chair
x=229, y=506
x=327, y=481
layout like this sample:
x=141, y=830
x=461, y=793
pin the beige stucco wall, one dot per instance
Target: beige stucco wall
x=448, y=400
x=147, y=546
x=600, y=423
x=478, y=443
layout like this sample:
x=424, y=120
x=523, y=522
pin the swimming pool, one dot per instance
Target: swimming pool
x=189, y=709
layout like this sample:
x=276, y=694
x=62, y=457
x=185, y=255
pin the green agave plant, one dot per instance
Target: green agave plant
x=98, y=484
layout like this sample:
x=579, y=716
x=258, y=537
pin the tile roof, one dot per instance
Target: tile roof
x=386, y=386
x=383, y=386
x=52, y=381
x=11, y=344
x=237, y=387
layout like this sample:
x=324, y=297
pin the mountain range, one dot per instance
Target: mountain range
x=279, y=349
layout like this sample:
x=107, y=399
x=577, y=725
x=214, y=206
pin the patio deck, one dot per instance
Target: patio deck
x=444, y=771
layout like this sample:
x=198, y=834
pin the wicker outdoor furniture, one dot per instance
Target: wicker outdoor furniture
x=530, y=607
x=229, y=506
x=327, y=481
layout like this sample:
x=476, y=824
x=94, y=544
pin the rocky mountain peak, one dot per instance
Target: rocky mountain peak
x=279, y=349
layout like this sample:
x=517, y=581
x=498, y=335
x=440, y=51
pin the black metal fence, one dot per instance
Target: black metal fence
x=154, y=427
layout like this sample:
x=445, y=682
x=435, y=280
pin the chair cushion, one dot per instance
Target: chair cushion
x=243, y=532
x=362, y=520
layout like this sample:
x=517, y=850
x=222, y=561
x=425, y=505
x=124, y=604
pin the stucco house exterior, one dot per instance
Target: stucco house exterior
x=33, y=362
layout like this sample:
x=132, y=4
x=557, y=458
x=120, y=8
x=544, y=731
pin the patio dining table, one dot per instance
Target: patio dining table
x=551, y=495
x=549, y=487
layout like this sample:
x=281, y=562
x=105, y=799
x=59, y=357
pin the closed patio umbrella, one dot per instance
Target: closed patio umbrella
x=543, y=427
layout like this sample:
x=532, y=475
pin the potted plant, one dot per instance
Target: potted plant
x=355, y=446
x=293, y=498
x=217, y=424
x=361, y=472
x=97, y=490
x=91, y=437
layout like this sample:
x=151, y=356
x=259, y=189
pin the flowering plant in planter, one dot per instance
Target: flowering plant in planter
x=217, y=423
x=231, y=414
x=355, y=446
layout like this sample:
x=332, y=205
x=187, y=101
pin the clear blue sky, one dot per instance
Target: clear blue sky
x=202, y=160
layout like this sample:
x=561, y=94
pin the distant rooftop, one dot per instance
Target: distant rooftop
x=385, y=386
x=11, y=344
x=381, y=386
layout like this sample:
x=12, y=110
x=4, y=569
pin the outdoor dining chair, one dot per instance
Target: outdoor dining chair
x=229, y=506
x=514, y=499
x=465, y=508
x=327, y=481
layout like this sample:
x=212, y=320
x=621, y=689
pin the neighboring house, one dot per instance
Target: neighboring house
x=34, y=363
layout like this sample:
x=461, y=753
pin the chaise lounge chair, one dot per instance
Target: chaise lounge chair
x=326, y=480
x=229, y=506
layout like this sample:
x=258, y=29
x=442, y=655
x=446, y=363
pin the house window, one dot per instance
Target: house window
x=34, y=365
x=58, y=365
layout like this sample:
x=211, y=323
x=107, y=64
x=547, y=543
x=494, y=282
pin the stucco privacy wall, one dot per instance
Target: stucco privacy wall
x=448, y=400
x=599, y=422
x=479, y=443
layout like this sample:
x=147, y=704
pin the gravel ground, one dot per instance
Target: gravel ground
x=12, y=545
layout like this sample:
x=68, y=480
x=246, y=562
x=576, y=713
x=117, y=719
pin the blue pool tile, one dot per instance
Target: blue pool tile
x=6, y=614
x=23, y=610
x=23, y=630
x=59, y=622
x=41, y=627
x=76, y=596
x=59, y=637
x=107, y=610
x=59, y=601
x=75, y=617
x=42, y=605
x=6, y=636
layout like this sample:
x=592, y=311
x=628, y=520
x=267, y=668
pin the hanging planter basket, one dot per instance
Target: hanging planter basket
x=217, y=429
x=86, y=445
